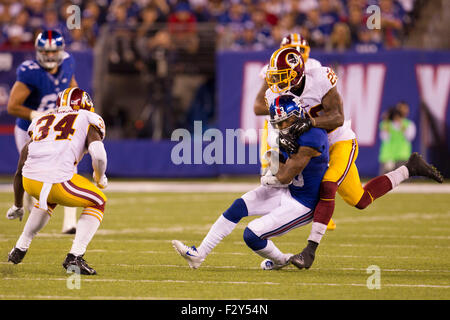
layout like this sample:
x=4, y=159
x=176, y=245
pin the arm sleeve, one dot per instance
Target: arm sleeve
x=99, y=160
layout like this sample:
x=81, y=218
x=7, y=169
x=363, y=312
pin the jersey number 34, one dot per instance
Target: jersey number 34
x=65, y=126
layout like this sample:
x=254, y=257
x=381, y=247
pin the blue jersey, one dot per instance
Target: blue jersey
x=44, y=86
x=305, y=186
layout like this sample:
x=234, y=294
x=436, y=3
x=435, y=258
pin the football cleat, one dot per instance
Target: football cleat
x=189, y=253
x=302, y=260
x=78, y=262
x=16, y=255
x=72, y=230
x=417, y=166
x=268, y=264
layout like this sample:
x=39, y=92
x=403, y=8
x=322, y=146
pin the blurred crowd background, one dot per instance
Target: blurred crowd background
x=155, y=59
x=239, y=24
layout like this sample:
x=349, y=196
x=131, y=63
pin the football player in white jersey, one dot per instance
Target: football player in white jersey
x=316, y=94
x=270, y=135
x=35, y=91
x=47, y=171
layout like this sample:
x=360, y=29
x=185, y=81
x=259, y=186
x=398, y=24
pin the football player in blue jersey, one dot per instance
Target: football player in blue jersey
x=286, y=198
x=35, y=91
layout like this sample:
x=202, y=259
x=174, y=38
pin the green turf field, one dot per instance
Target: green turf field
x=406, y=235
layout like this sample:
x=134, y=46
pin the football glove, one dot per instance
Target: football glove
x=269, y=180
x=300, y=127
x=14, y=213
x=102, y=183
x=288, y=143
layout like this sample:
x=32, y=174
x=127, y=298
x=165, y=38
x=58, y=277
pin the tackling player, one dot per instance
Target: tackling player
x=270, y=135
x=315, y=92
x=35, y=91
x=47, y=171
x=285, y=200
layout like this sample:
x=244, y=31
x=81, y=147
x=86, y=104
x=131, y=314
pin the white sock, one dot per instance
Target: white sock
x=219, y=230
x=86, y=228
x=398, y=175
x=273, y=253
x=317, y=231
x=36, y=221
x=70, y=218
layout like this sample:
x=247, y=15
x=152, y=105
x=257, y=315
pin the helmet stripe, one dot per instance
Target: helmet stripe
x=277, y=103
x=64, y=99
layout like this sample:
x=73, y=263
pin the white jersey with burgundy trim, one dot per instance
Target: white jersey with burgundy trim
x=318, y=81
x=59, y=143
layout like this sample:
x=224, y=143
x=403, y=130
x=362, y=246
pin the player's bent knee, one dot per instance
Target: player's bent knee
x=253, y=241
x=236, y=211
x=364, y=202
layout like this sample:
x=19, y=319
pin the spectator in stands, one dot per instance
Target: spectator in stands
x=317, y=37
x=247, y=39
x=261, y=27
x=200, y=10
x=182, y=26
x=121, y=42
x=236, y=14
x=15, y=35
x=216, y=9
x=90, y=26
x=79, y=41
x=340, y=39
x=355, y=20
x=19, y=29
x=36, y=9
x=366, y=41
x=328, y=17
x=391, y=24
x=288, y=23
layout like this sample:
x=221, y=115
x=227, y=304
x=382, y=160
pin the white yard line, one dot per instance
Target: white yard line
x=238, y=187
x=169, y=281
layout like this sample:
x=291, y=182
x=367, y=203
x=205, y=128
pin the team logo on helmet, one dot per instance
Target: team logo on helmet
x=76, y=99
x=292, y=60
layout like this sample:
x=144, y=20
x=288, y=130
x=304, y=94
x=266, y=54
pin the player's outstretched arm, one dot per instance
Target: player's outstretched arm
x=19, y=93
x=98, y=154
x=295, y=164
x=333, y=115
x=260, y=108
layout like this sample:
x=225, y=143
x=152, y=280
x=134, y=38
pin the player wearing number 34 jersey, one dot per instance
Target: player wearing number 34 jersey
x=47, y=171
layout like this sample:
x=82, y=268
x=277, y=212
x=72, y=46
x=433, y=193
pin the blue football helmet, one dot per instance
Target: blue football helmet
x=49, y=46
x=282, y=108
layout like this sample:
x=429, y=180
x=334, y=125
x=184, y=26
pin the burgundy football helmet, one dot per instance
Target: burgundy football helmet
x=296, y=41
x=75, y=98
x=286, y=69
